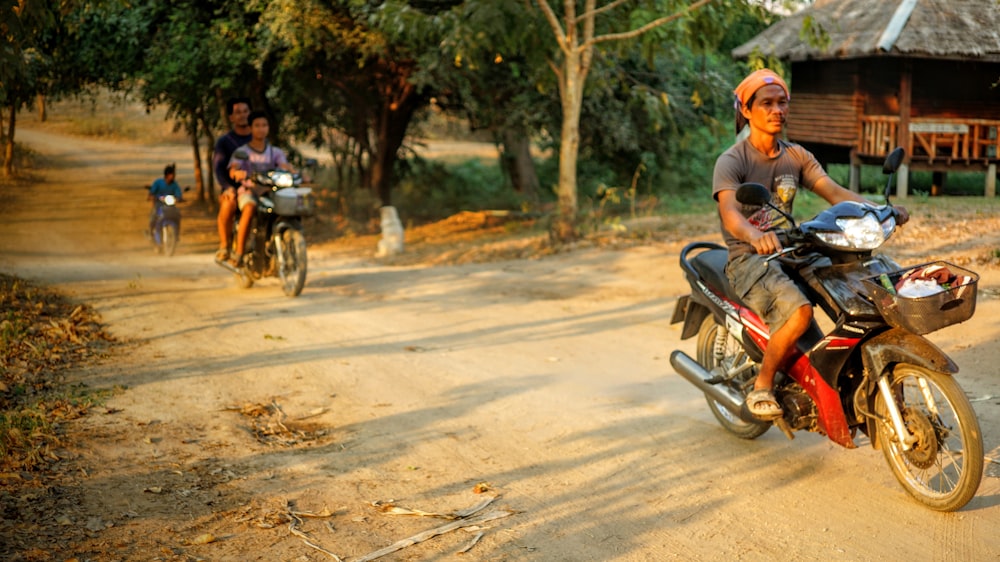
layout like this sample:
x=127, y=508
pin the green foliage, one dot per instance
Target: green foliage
x=814, y=34
x=102, y=44
x=12, y=330
x=921, y=182
x=354, y=75
x=430, y=190
x=29, y=426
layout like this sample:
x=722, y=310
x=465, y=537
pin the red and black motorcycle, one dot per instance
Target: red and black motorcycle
x=873, y=371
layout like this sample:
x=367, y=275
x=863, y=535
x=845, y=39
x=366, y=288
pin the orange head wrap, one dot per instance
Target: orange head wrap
x=755, y=81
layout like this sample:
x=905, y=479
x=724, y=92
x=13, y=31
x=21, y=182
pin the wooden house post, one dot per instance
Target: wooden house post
x=904, y=139
x=854, y=176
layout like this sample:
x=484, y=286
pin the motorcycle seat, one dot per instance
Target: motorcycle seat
x=711, y=267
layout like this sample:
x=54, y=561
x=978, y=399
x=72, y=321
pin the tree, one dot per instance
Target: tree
x=577, y=38
x=491, y=74
x=24, y=24
x=351, y=65
x=190, y=60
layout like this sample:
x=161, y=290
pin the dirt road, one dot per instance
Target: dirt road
x=544, y=382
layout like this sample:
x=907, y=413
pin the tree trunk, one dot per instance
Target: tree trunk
x=571, y=95
x=8, y=153
x=208, y=193
x=42, y=112
x=196, y=149
x=518, y=164
x=391, y=125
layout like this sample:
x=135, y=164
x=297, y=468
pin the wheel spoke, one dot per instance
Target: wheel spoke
x=719, y=351
x=942, y=469
x=925, y=389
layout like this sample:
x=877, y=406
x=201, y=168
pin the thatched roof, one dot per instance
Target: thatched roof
x=940, y=29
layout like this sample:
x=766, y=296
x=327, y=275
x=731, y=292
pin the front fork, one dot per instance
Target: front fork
x=906, y=438
x=892, y=347
x=278, y=236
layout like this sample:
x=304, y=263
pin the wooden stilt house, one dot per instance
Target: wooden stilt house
x=921, y=74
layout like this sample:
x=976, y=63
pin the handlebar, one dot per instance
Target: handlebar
x=791, y=240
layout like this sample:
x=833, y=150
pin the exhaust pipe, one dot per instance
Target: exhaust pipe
x=697, y=375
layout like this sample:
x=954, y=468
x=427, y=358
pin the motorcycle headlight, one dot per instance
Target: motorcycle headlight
x=283, y=179
x=169, y=200
x=862, y=233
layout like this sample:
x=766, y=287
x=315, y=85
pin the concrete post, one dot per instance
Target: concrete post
x=903, y=181
x=392, y=233
x=991, y=180
x=855, y=178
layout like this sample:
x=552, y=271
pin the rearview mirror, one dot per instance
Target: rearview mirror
x=753, y=194
x=894, y=160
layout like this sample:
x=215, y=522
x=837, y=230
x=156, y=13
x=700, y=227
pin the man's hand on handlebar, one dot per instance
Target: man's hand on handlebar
x=902, y=215
x=765, y=242
x=238, y=174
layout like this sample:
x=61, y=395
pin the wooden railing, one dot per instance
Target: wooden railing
x=933, y=140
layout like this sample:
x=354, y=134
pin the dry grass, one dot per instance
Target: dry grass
x=41, y=335
x=107, y=116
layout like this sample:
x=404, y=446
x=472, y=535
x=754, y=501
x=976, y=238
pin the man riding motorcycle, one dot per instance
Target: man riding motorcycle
x=762, y=101
x=258, y=155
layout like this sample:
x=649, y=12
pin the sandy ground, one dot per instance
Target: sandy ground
x=542, y=382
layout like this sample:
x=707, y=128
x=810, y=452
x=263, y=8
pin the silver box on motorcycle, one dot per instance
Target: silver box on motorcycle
x=294, y=202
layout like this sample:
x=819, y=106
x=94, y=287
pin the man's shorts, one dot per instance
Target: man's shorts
x=245, y=197
x=766, y=289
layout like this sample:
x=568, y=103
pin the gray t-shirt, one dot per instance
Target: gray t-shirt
x=793, y=167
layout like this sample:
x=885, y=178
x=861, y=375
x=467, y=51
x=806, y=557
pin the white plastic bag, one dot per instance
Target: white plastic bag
x=916, y=288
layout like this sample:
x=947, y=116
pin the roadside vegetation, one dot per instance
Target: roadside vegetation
x=41, y=335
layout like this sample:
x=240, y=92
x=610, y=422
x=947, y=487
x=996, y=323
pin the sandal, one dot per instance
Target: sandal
x=222, y=255
x=763, y=405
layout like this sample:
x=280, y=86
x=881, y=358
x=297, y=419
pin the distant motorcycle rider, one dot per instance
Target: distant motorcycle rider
x=167, y=185
x=238, y=110
x=258, y=155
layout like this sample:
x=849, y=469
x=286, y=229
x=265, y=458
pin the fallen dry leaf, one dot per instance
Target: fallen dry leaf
x=203, y=539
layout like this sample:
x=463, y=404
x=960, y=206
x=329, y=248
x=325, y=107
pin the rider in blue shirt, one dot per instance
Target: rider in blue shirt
x=166, y=185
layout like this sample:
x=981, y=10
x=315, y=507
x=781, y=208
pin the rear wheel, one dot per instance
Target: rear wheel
x=943, y=468
x=292, y=261
x=718, y=349
x=169, y=239
x=243, y=278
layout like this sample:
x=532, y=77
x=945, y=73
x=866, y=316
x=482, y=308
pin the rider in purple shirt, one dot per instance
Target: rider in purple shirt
x=256, y=156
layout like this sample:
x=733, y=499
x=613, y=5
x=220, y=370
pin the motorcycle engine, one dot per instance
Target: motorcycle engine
x=800, y=410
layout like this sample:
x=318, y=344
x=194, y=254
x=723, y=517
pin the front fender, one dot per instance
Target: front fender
x=285, y=223
x=899, y=346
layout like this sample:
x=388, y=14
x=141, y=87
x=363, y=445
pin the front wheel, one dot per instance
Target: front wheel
x=943, y=468
x=292, y=262
x=169, y=238
x=719, y=350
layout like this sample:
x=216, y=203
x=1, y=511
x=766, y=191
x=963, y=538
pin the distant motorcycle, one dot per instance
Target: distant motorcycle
x=167, y=227
x=276, y=243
